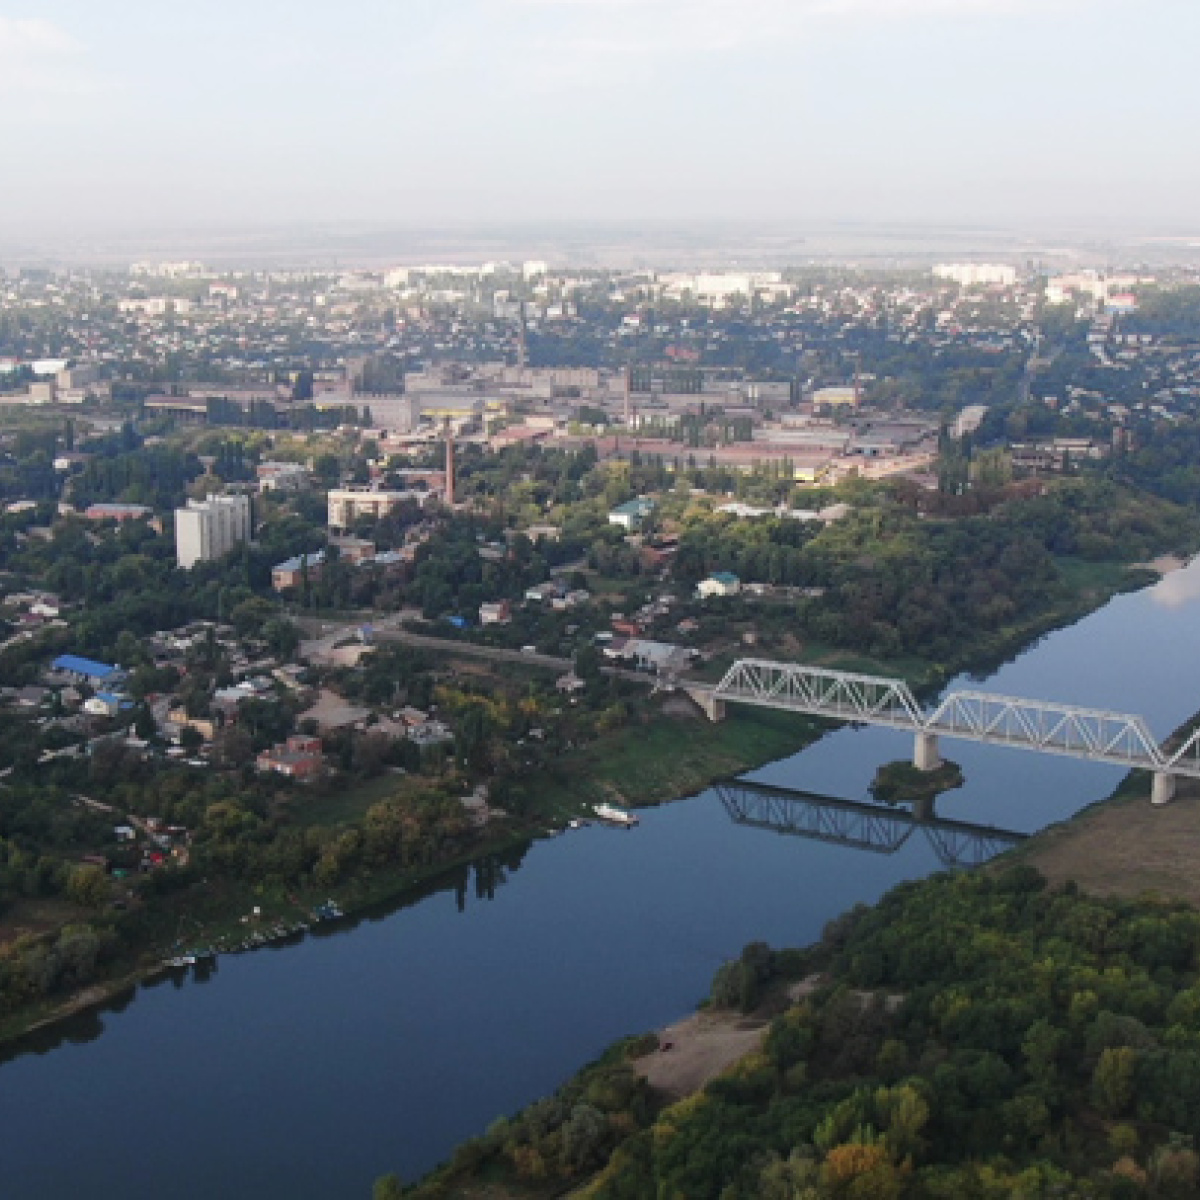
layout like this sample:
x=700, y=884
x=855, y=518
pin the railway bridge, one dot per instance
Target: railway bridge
x=1121, y=739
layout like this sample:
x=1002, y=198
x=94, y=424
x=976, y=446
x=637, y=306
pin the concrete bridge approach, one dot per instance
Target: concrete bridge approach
x=1120, y=739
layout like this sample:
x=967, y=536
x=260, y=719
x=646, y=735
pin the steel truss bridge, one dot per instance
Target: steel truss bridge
x=1118, y=738
x=871, y=827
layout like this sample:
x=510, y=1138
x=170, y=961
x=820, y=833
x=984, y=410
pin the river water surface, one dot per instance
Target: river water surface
x=310, y=1070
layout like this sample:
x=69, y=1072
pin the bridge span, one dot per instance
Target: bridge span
x=1121, y=739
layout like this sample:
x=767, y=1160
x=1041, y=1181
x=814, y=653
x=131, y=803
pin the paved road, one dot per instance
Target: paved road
x=386, y=629
x=471, y=650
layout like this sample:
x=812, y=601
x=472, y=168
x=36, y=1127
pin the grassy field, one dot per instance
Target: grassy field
x=1099, y=580
x=671, y=756
x=348, y=803
x=1125, y=847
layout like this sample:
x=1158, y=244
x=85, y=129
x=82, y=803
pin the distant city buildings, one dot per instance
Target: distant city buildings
x=976, y=274
x=207, y=529
x=835, y=397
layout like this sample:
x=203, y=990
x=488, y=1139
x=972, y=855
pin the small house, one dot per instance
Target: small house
x=632, y=514
x=298, y=758
x=720, y=583
x=497, y=613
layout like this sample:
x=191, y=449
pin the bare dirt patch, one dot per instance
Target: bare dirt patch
x=33, y=917
x=1125, y=847
x=1164, y=564
x=331, y=711
x=681, y=706
x=702, y=1046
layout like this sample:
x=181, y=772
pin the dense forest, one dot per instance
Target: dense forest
x=973, y=1035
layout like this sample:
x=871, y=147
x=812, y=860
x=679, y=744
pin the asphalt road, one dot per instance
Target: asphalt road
x=329, y=633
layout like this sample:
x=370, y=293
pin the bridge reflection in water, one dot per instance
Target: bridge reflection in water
x=878, y=828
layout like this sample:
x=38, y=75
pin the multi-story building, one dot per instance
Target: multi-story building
x=206, y=529
x=346, y=505
x=973, y=274
x=292, y=572
x=281, y=476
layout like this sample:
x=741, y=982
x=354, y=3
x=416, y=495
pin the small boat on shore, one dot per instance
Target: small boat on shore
x=611, y=815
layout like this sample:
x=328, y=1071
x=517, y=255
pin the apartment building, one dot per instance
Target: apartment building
x=346, y=505
x=207, y=529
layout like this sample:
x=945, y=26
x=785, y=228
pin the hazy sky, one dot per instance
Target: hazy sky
x=271, y=111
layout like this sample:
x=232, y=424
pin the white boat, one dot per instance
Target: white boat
x=614, y=815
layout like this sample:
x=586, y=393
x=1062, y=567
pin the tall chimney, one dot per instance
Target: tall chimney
x=628, y=397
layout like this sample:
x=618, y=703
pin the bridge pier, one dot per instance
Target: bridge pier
x=709, y=702
x=925, y=752
x=1162, y=790
x=923, y=809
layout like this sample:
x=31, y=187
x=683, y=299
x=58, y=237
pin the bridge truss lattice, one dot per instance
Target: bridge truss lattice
x=1121, y=739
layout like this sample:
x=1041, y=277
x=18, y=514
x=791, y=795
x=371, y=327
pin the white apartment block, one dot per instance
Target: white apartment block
x=973, y=274
x=206, y=529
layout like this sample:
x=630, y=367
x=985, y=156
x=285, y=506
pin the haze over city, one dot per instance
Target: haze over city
x=984, y=112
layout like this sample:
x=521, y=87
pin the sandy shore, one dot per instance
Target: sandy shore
x=1164, y=564
x=701, y=1047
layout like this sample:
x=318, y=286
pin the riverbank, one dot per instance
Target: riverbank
x=426, y=1022
x=660, y=756
x=663, y=753
x=1119, y=848
x=1124, y=847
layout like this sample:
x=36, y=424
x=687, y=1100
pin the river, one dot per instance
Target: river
x=309, y=1070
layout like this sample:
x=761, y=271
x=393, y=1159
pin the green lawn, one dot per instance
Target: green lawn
x=1104, y=578
x=344, y=803
x=671, y=756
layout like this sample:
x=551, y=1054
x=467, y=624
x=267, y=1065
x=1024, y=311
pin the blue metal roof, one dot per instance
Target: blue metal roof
x=84, y=666
x=294, y=564
x=640, y=507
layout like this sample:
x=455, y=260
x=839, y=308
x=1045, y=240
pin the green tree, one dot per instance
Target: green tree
x=388, y=1187
x=88, y=885
x=1113, y=1081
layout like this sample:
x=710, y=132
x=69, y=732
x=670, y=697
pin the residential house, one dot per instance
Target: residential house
x=498, y=613
x=290, y=573
x=543, y=593
x=631, y=515
x=298, y=758
x=117, y=512
x=720, y=583
x=204, y=726
x=354, y=550
x=570, y=684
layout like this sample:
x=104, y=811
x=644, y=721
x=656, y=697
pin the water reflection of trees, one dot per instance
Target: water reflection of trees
x=484, y=877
